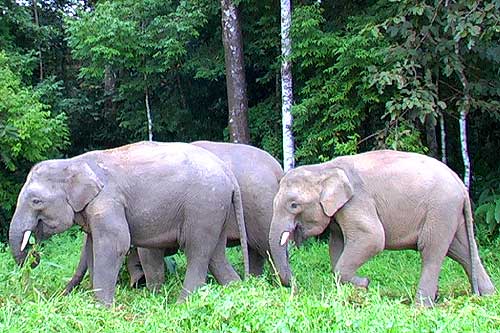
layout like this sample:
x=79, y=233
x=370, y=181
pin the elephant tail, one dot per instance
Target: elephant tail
x=469, y=226
x=240, y=220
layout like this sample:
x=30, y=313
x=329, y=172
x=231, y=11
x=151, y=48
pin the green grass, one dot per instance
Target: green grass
x=30, y=299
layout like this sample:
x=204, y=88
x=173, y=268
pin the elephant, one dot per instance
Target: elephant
x=146, y=194
x=258, y=175
x=374, y=201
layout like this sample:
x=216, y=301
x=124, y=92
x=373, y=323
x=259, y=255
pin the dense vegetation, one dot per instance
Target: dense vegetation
x=368, y=74
x=74, y=76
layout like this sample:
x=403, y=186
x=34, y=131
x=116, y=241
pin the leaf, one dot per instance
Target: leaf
x=497, y=210
x=490, y=222
x=484, y=196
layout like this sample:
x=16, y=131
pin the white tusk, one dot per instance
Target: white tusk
x=26, y=239
x=284, y=238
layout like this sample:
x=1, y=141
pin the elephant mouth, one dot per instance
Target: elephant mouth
x=39, y=231
x=44, y=230
x=296, y=235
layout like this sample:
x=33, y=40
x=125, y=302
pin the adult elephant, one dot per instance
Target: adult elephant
x=374, y=201
x=258, y=175
x=148, y=194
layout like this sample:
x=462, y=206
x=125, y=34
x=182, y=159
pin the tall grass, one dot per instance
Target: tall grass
x=31, y=300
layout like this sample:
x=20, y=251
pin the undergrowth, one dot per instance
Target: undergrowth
x=31, y=300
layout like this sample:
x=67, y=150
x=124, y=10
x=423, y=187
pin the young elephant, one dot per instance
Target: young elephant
x=148, y=194
x=258, y=175
x=374, y=201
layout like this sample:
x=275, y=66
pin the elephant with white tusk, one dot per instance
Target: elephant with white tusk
x=374, y=201
x=258, y=175
x=147, y=194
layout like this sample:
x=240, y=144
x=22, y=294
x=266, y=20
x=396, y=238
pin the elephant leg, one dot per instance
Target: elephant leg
x=428, y=284
x=256, y=262
x=200, y=243
x=196, y=273
x=90, y=260
x=153, y=267
x=111, y=241
x=433, y=242
x=363, y=238
x=460, y=252
x=81, y=269
x=134, y=267
x=219, y=266
x=335, y=243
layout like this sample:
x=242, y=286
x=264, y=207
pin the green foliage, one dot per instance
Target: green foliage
x=335, y=95
x=30, y=299
x=366, y=76
x=265, y=127
x=487, y=211
x=403, y=136
x=394, y=63
x=28, y=133
x=142, y=45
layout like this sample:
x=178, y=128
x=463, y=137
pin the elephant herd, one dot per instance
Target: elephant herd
x=150, y=199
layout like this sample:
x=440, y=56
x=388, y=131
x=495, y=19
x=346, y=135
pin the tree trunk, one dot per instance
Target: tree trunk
x=148, y=110
x=464, y=108
x=430, y=135
x=463, y=141
x=109, y=89
x=443, y=138
x=286, y=86
x=235, y=74
x=37, y=23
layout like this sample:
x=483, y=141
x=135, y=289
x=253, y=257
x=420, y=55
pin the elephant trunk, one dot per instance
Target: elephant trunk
x=279, y=236
x=20, y=231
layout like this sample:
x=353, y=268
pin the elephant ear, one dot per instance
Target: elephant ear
x=336, y=191
x=82, y=185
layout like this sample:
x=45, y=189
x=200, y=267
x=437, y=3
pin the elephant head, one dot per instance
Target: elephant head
x=53, y=192
x=304, y=205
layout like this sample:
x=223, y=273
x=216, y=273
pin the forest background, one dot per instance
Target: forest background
x=82, y=75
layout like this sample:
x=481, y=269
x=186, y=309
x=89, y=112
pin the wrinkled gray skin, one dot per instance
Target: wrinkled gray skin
x=374, y=201
x=258, y=175
x=155, y=195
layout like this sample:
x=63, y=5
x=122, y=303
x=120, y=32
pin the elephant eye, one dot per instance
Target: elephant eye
x=36, y=202
x=294, y=205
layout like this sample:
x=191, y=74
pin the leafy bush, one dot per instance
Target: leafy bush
x=334, y=93
x=487, y=212
x=29, y=132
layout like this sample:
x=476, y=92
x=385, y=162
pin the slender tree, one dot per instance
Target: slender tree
x=443, y=138
x=464, y=105
x=37, y=23
x=430, y=134
x=148, y=109
x=235, y=73
x=286, y=85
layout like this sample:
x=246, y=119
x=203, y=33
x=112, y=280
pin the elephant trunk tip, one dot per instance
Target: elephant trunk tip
x=285, y=278
x=20, y=258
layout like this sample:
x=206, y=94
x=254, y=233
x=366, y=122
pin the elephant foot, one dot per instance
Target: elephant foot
x=137, y=280
x=487, y=291
x=486, y=287
x=425, y=301
x=360, y=282
x=154, y=287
